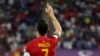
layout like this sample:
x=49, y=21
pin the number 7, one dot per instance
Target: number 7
x=46, y=51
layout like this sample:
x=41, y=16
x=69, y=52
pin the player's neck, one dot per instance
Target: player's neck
x=39, y=35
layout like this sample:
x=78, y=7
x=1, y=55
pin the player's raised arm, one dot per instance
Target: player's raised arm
x=49, y=11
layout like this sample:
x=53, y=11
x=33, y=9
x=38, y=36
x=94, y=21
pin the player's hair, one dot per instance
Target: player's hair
x=42, y=27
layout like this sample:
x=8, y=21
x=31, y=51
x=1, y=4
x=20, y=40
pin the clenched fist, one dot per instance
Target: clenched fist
x=49, y=9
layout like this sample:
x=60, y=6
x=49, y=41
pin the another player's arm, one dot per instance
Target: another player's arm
x=55, y=22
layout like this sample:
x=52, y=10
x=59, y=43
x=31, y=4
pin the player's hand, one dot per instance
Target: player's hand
x=49, y=9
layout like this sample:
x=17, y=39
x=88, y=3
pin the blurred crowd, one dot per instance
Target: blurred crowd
x=80, y=21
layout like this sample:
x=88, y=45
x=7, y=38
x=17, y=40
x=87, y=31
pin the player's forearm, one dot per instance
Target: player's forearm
x=56, y=24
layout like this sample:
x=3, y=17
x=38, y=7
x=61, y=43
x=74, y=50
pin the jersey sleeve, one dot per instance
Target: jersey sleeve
x=26, y=48
x=56, y=35
x=26, y=51
x=54, y=40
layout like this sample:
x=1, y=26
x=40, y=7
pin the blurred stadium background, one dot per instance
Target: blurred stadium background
x=80, y=20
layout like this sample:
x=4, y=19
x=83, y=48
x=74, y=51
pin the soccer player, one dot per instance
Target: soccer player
x=43, y=45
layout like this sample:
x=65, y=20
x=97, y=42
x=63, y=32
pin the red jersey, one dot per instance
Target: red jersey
x=42, y=46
